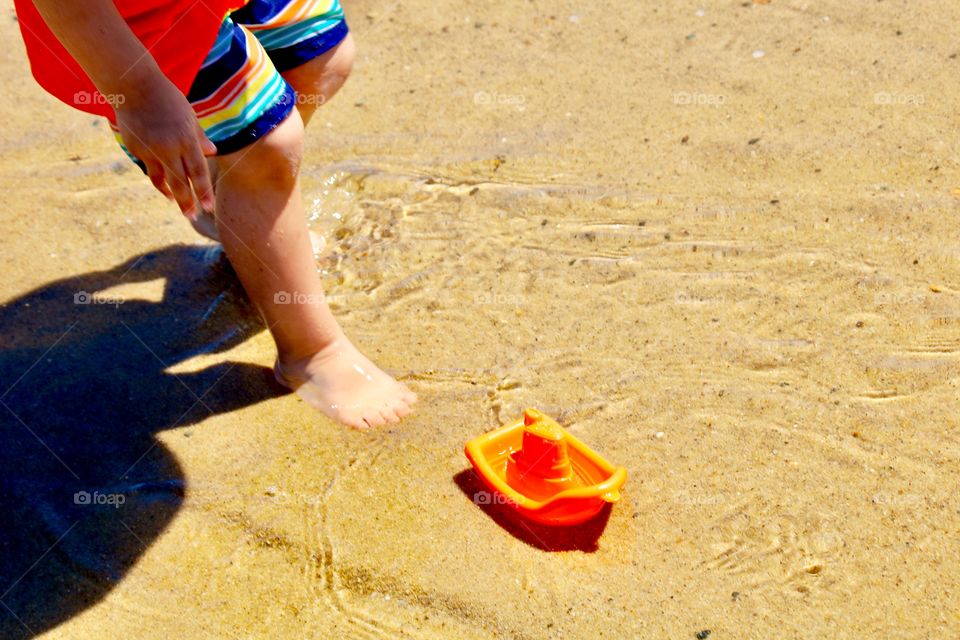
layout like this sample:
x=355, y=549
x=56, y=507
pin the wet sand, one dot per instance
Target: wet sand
x=719, y=248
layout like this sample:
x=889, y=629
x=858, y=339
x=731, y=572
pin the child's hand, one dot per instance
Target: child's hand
x=159, y=127
x=156, y=122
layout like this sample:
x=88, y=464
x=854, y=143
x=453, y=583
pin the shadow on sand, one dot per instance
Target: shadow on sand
x=582, y=537
x=85, y=487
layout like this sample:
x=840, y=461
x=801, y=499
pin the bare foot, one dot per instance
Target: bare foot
x=342, y=383
x=206, y=226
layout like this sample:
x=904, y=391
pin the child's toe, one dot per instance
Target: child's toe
x=389, y=415
x=354, y=420
x=374, y=419
x=406, y=394
x=401, y=409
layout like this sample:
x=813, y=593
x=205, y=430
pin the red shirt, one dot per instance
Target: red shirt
x=177, y=33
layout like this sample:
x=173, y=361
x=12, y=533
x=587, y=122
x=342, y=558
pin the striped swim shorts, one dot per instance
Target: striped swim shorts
x=239, y=95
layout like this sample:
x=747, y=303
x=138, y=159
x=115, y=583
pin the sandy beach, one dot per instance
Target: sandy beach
x=715, y=240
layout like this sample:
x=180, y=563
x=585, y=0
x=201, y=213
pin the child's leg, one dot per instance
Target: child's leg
x=206, y=224
x=315, y=83
x=319, y=79
x=261, y=222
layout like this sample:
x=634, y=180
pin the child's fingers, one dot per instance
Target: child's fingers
x=206, y=146
x=199, y=174
x=156, y=174
x=180, y=185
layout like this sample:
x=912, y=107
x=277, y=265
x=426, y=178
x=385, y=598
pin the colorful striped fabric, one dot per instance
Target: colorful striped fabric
x=293, y=32
x=239, y=94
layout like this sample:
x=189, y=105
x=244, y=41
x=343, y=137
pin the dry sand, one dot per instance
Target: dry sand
x=716, y=240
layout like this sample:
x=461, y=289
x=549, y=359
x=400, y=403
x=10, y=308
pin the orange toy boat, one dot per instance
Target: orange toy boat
x=543, y=472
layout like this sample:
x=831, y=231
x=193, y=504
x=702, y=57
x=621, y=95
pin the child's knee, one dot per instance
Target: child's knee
x=317, y=81
x=342, y=61
x=333, y=68
x=271, y=162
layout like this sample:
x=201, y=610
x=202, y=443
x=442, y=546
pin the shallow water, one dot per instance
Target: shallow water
x=734, y=275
